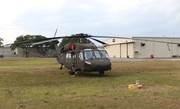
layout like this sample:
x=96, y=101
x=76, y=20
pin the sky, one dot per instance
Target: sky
x=157, y=18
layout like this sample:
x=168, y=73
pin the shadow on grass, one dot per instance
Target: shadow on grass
x=93, y=74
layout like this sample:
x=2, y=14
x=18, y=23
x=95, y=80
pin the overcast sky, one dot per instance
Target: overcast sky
x=95, y=17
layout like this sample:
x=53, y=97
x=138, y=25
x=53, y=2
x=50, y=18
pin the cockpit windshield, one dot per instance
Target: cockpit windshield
x=90, y=54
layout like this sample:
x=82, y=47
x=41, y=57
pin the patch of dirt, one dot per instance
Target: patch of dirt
x=153, y=88
x=148, y=88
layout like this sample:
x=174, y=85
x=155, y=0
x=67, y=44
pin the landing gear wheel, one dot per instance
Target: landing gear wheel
x=101, y=72
x=71, y=72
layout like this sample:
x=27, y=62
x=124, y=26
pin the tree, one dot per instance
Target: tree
x=73, y=40
x=1, y=42
x=24, y=42
x=24, y=46
x=43, y=48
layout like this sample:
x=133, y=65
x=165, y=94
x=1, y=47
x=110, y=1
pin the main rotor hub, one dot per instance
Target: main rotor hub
x=82, y=35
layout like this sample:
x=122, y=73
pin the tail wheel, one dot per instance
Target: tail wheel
x=101, y=72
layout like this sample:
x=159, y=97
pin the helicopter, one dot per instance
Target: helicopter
x=84, y=57
x=79, y=56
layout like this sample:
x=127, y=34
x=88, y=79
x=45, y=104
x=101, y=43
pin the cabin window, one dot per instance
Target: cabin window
x=68, y=57
x=74, y=56
x=104, y=54
x=88, y=55
x=81, y=56
x=97, y=54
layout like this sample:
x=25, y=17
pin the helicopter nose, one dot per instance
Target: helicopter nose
x=101, y=65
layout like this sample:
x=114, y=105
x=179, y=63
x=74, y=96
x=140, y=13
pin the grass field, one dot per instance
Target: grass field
x=37, y=83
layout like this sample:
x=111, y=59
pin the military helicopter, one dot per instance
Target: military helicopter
x=84, y=57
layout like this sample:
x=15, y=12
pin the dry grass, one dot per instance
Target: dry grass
x=38, y=83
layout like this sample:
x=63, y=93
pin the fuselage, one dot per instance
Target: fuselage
x=85, y=58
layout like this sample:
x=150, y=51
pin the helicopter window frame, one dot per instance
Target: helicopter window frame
x=104, y=54
x=68, y=57
x=89, y=54
x=97, y=54
x=74, y=56
x=81, y=56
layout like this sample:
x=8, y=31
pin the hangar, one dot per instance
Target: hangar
x=149, y=47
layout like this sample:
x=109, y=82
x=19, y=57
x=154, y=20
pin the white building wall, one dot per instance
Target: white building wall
x=118, y=47
x=118, y=41
x=120, y=50
x=18, y=52
x=123, y=51
x=156, y=48
x=113, y=51
x=135, y=50
x=6, y=52
x=131, y=50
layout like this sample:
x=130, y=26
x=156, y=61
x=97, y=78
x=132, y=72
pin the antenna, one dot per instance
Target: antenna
x=55, y=32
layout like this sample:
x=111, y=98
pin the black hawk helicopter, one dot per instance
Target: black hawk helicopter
x=84, y=57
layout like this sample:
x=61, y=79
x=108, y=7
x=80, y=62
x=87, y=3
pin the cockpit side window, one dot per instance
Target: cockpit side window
x=97, y=54
x=88, y=54
x=104, y=54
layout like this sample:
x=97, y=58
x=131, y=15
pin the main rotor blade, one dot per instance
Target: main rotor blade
x=111, y=37
x=41, y=42
x=38, y=40
x=99, y=41
x=82, y=35
x=156, y=41
x=136, y=38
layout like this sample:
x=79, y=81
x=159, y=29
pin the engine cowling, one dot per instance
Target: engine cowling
x=72, y=46
x=69, y=47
